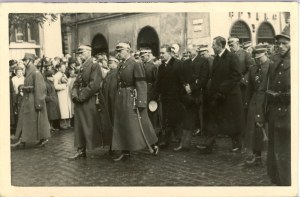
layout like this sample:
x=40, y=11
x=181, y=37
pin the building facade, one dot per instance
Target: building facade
x=104, y=30
x=41, y=40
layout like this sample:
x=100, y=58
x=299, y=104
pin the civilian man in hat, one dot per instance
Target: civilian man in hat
x=33, y=122
x=132, y=127
x=194, y=76
x=245, y=62
x=92, y=125
x=168, y=89
x=255, y=134
x=279, y=111
x=151, y=75
x=224, y=98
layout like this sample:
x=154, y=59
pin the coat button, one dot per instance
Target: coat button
x=258, y=115
x=279, y=73
x=278, y=82
x=279, y=91
x=279, y=109
x=281, y=64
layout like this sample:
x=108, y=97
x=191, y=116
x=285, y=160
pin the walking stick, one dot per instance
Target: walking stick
x=140, y=122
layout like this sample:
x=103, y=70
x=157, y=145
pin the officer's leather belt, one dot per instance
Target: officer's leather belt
x=125, y=85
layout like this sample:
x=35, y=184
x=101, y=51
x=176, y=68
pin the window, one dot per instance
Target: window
x=25, y=33
x=265, y=33
x=241, y=30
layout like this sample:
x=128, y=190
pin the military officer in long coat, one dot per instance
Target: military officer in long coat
x=255, y=135
x=194, y=76
x=168, y=89
x=132, y=129
x=279, y=112
x=33, y=122
x=92, y=126
x=224, y=98
x=151, y=75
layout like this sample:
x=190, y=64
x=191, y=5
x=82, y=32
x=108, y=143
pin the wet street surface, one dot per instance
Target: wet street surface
x=49, y=166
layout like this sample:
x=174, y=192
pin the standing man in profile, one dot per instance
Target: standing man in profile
x=224, y=98
x=168, y=88
x=33, y=122
x=279, y=110
x=92, y=126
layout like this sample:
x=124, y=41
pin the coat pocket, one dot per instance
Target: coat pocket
x=283, y=118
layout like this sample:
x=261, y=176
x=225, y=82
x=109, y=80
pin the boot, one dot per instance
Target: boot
x=18, y=144
x=41, y=143
x=123, y=157
x=80, y=154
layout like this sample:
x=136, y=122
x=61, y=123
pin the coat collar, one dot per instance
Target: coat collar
x=30, y=70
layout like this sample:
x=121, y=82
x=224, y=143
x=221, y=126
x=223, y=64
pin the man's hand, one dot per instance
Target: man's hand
x=259, y=124
x=188, y=89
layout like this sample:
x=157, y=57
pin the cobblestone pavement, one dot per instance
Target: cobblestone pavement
x=49, y=167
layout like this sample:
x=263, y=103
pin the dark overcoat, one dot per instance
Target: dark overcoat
x=127, y=133
x=151, y=75
x=245, y=62
x=53, y=110
x=92, y=124
x=195, y=73
x=109, y=90
x=169, y=87
x=224, y=95
x=256, y=97
x=279, y=112
x=12, y=100
x=33, y=125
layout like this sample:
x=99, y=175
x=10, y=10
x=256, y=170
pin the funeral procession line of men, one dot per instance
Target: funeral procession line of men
x=137, y=101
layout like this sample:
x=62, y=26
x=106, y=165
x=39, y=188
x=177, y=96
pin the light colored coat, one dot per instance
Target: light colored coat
x=63, y=95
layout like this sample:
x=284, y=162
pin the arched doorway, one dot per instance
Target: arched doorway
x=265, y=33
x=99, y=44
x=148, y=38
x=241, y=30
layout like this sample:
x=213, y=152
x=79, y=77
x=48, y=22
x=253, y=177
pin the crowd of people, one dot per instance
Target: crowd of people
x=129, y=100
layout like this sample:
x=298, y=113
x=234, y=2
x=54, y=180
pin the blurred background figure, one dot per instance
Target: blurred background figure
x=52, y=104
x=18, y=79
x=64, y=100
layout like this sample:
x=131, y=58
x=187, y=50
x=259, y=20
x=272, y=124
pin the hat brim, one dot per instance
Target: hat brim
x=259, y=55
x=282, y=36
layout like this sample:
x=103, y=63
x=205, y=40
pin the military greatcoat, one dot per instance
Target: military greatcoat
x=256, y=97
x=127, y=133
x=279, y=111
x=151, y=75
x=33, y=125
x=92, y=125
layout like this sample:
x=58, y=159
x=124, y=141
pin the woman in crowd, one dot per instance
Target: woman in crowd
x=61, y=85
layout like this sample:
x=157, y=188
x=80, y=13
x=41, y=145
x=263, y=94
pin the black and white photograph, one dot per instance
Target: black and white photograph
x=186, y=98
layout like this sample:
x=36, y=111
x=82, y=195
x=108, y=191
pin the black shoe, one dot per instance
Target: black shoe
x=155, y=150
x=236, y=150
x=78, y=155
x=41, y=143
x=197, y=132
x=163, y=145
x=18, y=144
x=255, y=161
x=122, y=157
x=204, y=149
x=181, y=149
